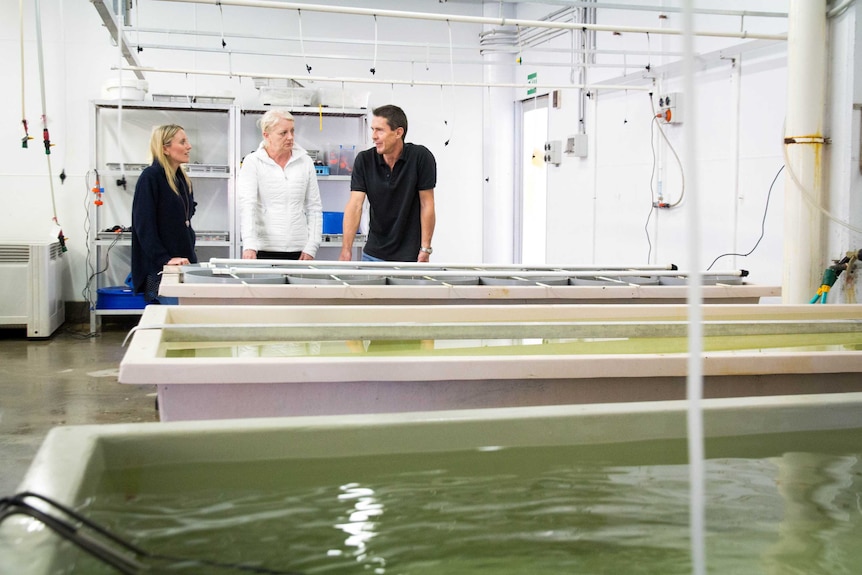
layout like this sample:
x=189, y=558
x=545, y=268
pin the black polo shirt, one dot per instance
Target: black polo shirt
x=395, y=232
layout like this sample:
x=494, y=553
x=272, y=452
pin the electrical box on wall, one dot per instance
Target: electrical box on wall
x=670, y=108
x=553, y=152
x=577, y=145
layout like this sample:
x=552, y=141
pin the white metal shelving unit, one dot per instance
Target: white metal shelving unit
x=221, y=135
x=317, y=128
x=212, y=131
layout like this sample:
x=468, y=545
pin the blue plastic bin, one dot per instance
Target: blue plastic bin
x=332, y=222
x=119, y=297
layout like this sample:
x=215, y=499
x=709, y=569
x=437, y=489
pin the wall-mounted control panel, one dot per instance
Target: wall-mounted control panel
x=670, y=108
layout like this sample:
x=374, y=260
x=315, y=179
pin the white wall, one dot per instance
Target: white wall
x=597, y=206
x=602, y=204
x=78, y=56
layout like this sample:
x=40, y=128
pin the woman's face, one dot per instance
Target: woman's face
x=279, y=139
x=178, y=150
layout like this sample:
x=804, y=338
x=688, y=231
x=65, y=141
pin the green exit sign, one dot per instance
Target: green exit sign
x=532, y=79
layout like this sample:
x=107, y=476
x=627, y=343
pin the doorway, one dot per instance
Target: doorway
x=532, y=183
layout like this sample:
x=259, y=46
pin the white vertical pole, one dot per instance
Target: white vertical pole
x=694, y=379
x=736, y=89
x=498, y=213
x=806, y=96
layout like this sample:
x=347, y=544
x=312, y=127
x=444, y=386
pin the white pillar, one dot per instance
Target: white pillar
x=806, y=97
x=498, y=137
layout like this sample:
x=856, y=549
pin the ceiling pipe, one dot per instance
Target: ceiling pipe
x=389, y=43
x=648, y=8
x=487, y=21
x=477, y=62
x=345, y=80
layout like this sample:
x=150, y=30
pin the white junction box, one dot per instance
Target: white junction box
x=553, y=152
x=670, y=108
x=577, y=145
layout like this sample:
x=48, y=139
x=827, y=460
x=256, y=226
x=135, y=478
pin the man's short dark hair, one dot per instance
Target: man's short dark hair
x=394, y=116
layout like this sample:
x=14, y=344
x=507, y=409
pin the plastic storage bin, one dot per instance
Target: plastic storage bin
x=332, y=222
x=119, y=297
x=345, y=160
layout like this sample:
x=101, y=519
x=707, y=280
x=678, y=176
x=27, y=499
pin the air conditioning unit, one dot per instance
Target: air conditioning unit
x=31, y=286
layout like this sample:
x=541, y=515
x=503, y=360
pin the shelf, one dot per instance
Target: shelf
x=134, y=173
x=178, y=106
x=120, y=311
x=334, y=241
x=312, y=111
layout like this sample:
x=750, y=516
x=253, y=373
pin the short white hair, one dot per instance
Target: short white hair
x=271, y=118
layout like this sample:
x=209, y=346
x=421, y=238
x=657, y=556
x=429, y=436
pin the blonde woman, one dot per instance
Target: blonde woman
x=281, y=215
x=162, y=211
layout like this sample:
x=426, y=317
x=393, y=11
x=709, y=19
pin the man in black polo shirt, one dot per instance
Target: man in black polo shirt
x=398, y=179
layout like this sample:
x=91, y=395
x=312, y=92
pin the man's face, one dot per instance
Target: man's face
x=385, y=139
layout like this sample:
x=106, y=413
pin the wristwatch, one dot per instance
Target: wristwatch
x=427, y=250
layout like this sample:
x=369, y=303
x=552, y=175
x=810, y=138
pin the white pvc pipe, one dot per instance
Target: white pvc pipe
x=662, y=9
x=498, y=169
x=343, y=80
x=174, y=32
x=806, y=98
x=694, y=364
x=736, y=90
x=403, y=58
x=473, y=19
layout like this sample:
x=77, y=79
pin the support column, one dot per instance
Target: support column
x=806, y=97
x=498, y=142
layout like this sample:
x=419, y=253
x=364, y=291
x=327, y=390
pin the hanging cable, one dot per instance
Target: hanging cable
x=655, y=118
x=140, y=48
x=302, y=42
x=374, y=63
x=572, y=53
x=519, y=60
x=108, y=547
x=651, y=189
x=65, y=132
x=811, y=201
x=122, y=179
x=451, y=124
x=762, y=224
x=625, y=94
x=27, y=137
x=46, y=137
x=221, y=15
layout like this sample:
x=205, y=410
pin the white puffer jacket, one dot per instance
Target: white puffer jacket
x=280, y=209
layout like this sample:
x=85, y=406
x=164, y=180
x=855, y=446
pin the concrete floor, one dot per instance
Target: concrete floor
x=67, y=379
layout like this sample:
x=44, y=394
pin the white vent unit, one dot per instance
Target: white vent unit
x=31, y=286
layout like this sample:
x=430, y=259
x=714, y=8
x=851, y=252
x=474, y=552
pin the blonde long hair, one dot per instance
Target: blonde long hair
x=162, y=136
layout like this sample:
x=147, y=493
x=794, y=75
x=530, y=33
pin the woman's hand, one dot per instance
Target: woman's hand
x=249, y=254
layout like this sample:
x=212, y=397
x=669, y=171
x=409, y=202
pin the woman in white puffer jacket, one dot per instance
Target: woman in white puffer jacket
x=281, y=215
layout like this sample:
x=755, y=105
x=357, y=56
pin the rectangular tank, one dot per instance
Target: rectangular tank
x=211, y=362
x=601, y=484
x=246, y=282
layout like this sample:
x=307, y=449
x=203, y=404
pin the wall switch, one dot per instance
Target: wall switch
x=553, y=151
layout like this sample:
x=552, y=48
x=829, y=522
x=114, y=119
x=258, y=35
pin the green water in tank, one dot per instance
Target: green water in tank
x=775, y=504
x=490, y=347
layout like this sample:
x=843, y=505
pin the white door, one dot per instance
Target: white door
x=532, y=189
